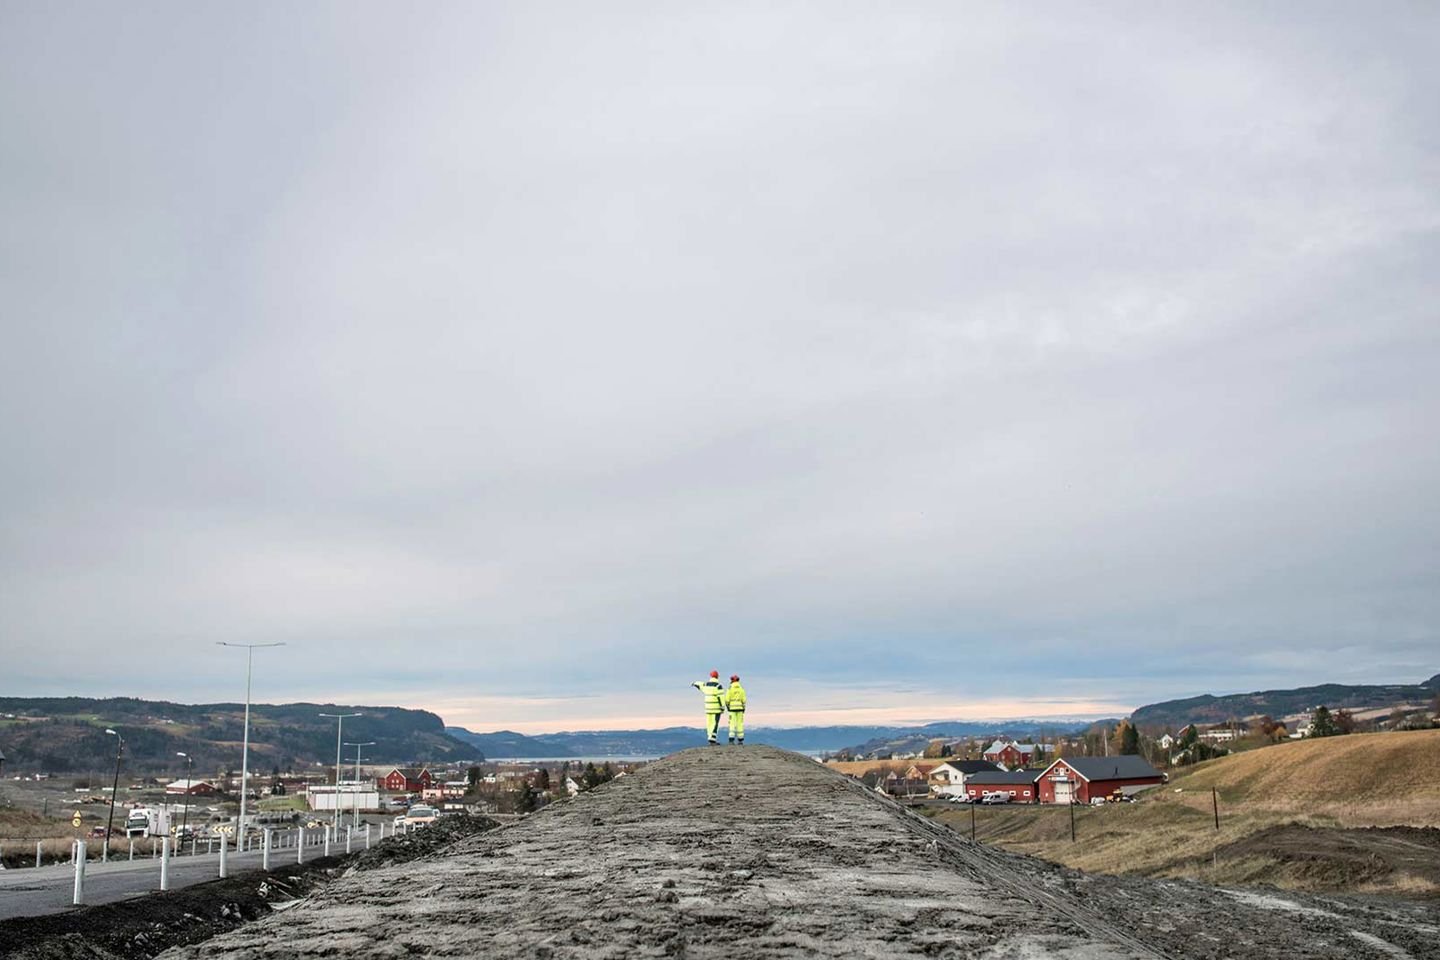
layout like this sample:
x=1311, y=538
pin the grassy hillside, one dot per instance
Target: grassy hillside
x=1383, y=779
x=1322, y=794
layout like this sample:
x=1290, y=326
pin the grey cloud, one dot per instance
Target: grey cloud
x=938, y=346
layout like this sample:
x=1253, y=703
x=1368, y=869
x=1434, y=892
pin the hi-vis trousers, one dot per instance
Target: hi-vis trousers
x=737, y=725
x=712, y=725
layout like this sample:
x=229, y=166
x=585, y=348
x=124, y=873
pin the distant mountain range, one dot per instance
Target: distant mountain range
x=646, y=743
x=67, y=734
x=1281, y=703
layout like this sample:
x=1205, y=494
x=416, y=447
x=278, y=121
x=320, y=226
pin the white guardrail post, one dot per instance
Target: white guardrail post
x=164, y=863
x=300, y=845
x=79, y=855
x=265, y=850
x=367, y=836
x=132, y=848
x=37, y=852
x=224, y=846
x=327, y=840
x=349, y=832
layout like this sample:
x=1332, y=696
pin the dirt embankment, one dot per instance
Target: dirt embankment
x=1329, y=858
x=756, y=853
x=140, y=928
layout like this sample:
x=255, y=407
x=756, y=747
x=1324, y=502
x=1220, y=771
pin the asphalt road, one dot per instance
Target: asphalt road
x=34, y=891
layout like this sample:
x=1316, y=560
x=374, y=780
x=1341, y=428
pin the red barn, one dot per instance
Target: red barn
x=406, y=780
x=1082, y=779
x=1020, y=784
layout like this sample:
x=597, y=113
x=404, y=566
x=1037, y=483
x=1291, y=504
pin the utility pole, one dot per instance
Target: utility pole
x=356, y=792
x=114, y=788
x=339, y=719
x=189, y=786
x=245, y=750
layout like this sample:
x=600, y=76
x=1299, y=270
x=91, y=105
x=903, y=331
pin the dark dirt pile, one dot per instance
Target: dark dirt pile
x=760, y=854
x=1344, y=859
x=140, y=928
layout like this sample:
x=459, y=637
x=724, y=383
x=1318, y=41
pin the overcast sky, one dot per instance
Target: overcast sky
x=525, y=362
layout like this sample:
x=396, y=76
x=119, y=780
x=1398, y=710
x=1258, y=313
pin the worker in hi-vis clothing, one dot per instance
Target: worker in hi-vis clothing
x=735, y=706
x=713, y=693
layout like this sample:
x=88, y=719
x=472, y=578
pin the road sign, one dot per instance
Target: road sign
x=75, y=820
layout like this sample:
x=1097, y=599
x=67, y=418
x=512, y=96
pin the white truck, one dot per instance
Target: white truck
x=148, y=822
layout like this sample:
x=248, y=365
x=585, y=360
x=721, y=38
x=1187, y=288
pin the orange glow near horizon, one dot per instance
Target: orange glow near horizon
x=535, y=715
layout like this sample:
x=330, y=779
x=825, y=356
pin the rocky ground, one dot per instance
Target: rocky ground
x=756, y=853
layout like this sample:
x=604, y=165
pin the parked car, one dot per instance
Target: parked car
x=420, y=816
x=960, y=798
x=996, y=797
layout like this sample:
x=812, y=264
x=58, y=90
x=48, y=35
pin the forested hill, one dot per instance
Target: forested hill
x=61, y=734
x=1280, y=703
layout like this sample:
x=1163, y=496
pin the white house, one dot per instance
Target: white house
x=948, y=778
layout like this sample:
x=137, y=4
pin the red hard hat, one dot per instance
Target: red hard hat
x=735, y=677
x=714, y=673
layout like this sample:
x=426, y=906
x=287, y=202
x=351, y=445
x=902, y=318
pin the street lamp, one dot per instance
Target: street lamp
x=114, y=789
x=245, y=750
x=189, y=786
x=356, y=791
x=339, y=719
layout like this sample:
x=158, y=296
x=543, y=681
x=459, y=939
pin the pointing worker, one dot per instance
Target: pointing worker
x=713, y=692
x=735, y=705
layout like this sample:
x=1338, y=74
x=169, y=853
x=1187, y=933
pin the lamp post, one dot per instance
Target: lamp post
x=245, y=750
x=189, y=786
x=356, y=791
x=339, y=719
x=114, y=789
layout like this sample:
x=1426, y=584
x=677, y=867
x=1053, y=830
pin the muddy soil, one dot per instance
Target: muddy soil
x=1338, y=859
x=756, y=853
x=142, y=927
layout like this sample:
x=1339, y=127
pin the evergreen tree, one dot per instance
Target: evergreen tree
x=1323, y=724
x=1129, y=739
x=528, y=800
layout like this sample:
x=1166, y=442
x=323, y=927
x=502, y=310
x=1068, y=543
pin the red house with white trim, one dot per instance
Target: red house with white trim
x=406, y=780
x=1083, y=779
x=1011, y=755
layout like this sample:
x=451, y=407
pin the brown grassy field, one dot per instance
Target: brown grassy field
x=858, y=768
x=1328, y=790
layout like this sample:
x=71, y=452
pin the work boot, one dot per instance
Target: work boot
x=714, y=743
x=742, y=741
x=732, y=741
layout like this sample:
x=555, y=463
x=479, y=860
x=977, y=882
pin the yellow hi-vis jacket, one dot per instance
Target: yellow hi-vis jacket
x=713, y=692
x=735, y=698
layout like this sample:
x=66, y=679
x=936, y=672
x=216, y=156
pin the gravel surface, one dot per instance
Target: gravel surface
x=756, y=853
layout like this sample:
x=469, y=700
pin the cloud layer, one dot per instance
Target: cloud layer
x=925, y=355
